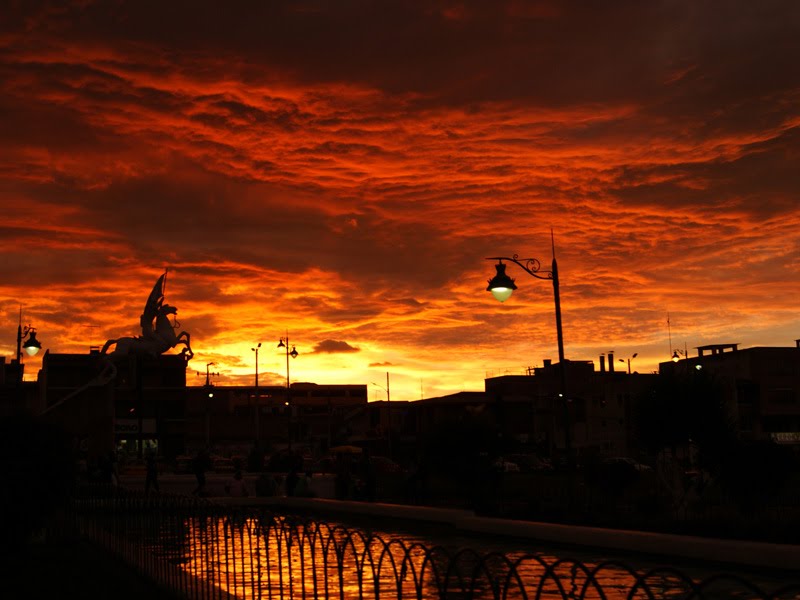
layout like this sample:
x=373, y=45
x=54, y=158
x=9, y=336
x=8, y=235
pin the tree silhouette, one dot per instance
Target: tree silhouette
x=690, y=406
x=684, y=407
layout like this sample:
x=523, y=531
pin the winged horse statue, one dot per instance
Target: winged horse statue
x=157, y=337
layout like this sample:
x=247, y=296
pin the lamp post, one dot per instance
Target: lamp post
x=209, y=396
x=258, y=408
x=209, y=374
x=502, y=286
x=622, y=360
x=678, y=353
x=284, y=343
x=31, y=345
x=389, y=411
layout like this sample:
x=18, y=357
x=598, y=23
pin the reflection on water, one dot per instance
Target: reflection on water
x=268, y=556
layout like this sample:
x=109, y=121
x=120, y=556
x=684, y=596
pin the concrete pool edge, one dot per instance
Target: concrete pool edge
x=712, y=550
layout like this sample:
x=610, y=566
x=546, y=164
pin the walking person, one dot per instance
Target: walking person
x=151, y=477
x=236, y=486
x=291, y=481
x=200, y=464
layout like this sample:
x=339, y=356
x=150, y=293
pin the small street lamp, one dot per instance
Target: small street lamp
x=383, y=388
x=678, y=353
x=622, y=360
x=209, y=374
x=258, y=409
x=284, y=343
x=502, y=286
x=389, y=410
x=209, y=389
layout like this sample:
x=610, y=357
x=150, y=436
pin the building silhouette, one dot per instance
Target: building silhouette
x=760, y=386
x=143, y=403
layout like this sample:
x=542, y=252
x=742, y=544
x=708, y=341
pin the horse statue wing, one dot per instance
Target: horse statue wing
x=152, y=306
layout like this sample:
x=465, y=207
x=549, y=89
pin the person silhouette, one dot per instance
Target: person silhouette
x=200, y=464
x=291, y=481
x=236, y=486
x=151, y=477
x=266, y=485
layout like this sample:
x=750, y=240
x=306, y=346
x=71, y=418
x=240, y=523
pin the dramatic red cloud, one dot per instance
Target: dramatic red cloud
x=339, y=171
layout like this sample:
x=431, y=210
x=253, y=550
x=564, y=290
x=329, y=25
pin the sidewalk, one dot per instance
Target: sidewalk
x=75, y=569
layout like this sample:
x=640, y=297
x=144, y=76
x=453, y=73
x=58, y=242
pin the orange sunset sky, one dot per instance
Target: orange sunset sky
x=341, y=169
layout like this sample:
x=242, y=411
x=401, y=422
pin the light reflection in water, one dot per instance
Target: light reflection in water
x=277, y=557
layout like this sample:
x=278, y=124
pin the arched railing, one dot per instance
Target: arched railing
x=203, y=550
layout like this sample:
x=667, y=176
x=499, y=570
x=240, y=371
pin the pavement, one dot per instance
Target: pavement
x=74, y=569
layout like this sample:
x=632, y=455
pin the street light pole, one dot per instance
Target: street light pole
x=209, y=394
x=622, y=360
x=389, y=411
x=502, y=286
x=208, y=373
x=31, y=345
x=284, y=343
x=258, y=409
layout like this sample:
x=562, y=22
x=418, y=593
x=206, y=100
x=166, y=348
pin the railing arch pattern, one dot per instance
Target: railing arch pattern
x=201, y=550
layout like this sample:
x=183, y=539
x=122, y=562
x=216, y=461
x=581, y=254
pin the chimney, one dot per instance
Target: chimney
x=547, y=362
x=602, y=363
x=610, y=362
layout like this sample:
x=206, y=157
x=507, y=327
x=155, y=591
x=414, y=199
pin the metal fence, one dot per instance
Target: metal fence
x=202, y=550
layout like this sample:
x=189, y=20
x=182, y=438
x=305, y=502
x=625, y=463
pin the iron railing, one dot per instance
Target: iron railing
x=201, y=550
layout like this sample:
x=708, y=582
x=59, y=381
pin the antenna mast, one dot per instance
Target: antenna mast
x=669, y=331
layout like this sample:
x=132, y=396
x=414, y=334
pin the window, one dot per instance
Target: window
x=781, y=396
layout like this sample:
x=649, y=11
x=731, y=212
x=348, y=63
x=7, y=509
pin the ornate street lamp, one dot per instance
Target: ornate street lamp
x=31, y=345
x=678, y=354
x=502, y=286
x=284, y=343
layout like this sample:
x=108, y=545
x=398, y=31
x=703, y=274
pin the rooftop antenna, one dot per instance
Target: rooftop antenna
x=669, y=331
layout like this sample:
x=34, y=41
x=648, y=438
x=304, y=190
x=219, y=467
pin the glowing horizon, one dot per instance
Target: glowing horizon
x=341, y=172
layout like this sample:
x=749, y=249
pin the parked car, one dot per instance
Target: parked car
x=284, y=461
x=384, y=464
x=626, y=461
x=184, y=464
x=223, y=465
x=530, y=462
x=506, y=465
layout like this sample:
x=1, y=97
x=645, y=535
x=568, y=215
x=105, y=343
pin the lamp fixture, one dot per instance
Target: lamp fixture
x=32, y=345
x=501, y=285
